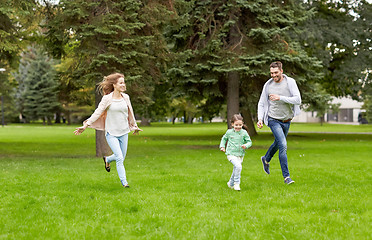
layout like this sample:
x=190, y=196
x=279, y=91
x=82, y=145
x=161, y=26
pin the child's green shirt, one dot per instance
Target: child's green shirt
x=235, y=140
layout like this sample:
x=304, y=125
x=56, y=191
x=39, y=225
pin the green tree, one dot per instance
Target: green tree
x=17, y=28
x=20, y=77
x=321, y=103
x=17, y=25
x=368, y=107
x=339, y=34
x=111, y=36
x=226, y=46
x=40, y=88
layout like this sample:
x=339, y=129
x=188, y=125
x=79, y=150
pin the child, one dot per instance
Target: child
x=237, y=141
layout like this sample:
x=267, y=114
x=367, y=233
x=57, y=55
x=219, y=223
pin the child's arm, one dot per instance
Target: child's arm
x=223, y=142
x=247, y=141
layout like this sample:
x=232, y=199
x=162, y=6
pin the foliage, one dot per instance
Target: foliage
x=38, y=86
x=17, y=25
x=321, y=103
x=214, y=42
x=110, y=36
x=339, y=35
x=368, y=107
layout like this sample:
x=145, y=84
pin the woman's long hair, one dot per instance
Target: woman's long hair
x=107, y=85
x=237, y=117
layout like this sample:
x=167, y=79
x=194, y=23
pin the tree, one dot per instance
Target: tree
x=17, y=27
x=225, y=46
x=339, y=34
x=20, y=77
x=40, y=87
x=321, y=103
x=111, y=36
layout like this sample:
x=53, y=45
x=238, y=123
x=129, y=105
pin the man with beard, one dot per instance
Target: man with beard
x=279, y=102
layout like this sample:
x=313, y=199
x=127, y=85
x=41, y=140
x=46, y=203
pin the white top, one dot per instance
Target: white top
x=117, y=118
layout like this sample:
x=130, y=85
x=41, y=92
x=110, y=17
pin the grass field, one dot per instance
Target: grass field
x=53, y=186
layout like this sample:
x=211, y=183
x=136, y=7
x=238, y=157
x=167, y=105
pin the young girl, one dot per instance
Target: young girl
x=237, y=141
x=115, y=116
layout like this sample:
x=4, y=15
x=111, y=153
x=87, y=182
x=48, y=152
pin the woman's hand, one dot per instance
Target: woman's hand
x=223, y=149
x=80, y=130
x=137, y=130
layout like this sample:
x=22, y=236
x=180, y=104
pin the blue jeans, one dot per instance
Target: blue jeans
x=119, y=147
x=280, y=132
x=237, y=162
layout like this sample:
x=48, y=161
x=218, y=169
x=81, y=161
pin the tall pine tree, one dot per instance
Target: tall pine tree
x=40, y=88
x=224, y=48
x=111, y=36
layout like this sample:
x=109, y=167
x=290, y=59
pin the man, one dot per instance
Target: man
x=279, y=102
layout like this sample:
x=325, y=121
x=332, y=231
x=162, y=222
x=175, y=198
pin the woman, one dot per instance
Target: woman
x=115, y=116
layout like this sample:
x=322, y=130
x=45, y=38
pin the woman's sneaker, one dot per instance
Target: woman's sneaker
x=237, y=187
x=228, y=184
x=288, y=180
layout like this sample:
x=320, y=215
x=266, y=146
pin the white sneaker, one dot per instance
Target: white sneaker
x=228, y=184
x=237, y=187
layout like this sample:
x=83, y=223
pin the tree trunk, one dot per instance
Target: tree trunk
x=49, y=121
x=232, y=96
x=190, y=119
x=248, y=120
x=233, y=78
x=145, y=121
x=68, y=117
x=58, y=117
x=102, y=148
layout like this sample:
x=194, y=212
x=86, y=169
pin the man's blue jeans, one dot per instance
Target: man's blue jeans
x=280, y=132
x=119, y=147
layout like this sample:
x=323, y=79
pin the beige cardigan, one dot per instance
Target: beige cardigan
x=98, y=118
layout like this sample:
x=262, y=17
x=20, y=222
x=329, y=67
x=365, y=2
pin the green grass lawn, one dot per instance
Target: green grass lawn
x=53, y=186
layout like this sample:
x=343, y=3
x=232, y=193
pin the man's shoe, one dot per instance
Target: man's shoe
x=266, y=165
x=288, y=180
x=237, y=187
x=228, y=184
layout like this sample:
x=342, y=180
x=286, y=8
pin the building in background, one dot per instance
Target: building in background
x=350, y=111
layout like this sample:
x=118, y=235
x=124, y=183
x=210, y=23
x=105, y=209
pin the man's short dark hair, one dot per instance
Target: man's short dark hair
x=276, y=64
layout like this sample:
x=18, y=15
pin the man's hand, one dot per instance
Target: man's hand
x=223, y=149
x=259, y=124
x=274, y=97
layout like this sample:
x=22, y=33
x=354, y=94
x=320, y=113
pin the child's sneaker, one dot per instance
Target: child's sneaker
x=237, y=187
x=229, y=185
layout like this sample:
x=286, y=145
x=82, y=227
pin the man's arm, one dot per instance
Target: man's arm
x=295, y=99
